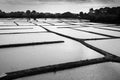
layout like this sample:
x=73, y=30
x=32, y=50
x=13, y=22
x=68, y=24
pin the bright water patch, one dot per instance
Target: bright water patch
x=24, y=23
x=19, y=58
x=35, y=29
x=5, y=23
x=71, y=20
x=12, y=59
x=112, y=28
x=103, y=71
x=112, y=33
x=92, y=24
x=112, y=45
x=42, y=23
x=12, y=27
x=27, y=38
x=78, y=34
x=60, y=24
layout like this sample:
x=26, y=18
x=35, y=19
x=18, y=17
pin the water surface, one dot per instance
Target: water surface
x=112, y=33
x=111, y=45
x=12, y=59
x=103, y=71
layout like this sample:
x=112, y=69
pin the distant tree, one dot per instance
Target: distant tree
x=91, y=11
x=2, y=14
x=68, y=15
x=97, y=12
x=81, y=14
x=28, y=15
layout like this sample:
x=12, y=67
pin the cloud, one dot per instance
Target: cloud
x=46, y=1
x=74, y=1
x=107, y=1
x=55, y=5
x=30, y=2
x=17, y=2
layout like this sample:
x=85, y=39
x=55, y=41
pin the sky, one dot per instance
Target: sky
x=56, y=6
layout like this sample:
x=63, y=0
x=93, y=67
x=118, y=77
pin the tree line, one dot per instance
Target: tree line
x=32, y=14
x=106, y=15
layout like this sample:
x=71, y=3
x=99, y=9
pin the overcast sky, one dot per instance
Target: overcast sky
x=55, y=6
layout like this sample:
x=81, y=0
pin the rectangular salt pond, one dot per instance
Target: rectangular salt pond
x=68, y=26
x=103, y=71
x=60, y=24
x=112, y=33
x=112, y=45
x=5, y=23
x=76, y=23
x=71, y=20
x=20, y=19
x=51, y=20
x=78, y=34
x=7, y=27
x=27, y=38
x=19, y=58
x=15, y=28
x=20, y=23
x=42, y=23
x=64, y=26
x=40, y=19
x=35, y=29
x=90, y=24
x=112, y=28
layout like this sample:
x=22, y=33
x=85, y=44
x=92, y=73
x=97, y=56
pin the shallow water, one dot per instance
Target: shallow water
x=12, y=59
x=112, y=28
x=24, y=23
x=112, y=33
x=19, y=58
x=111, y=45
x=60, y=24
x=28, y=38
x=78, y=34
x=42, y=23
x=33, y=29
x=103, y=71
x=5, y=23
